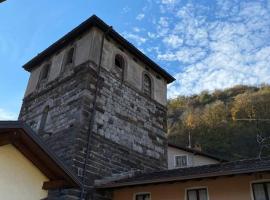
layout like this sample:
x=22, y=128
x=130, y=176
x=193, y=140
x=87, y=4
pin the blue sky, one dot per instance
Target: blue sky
x=205, y=44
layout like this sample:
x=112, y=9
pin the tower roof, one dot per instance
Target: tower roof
x=95, y=21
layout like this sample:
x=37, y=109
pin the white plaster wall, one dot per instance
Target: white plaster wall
x=194, y=160
x=19, y=178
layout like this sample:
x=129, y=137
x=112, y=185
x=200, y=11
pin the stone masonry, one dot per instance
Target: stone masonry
x=128, y=131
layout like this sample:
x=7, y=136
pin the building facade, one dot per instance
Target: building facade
x=28, y=169
x=28, y=185
x=99, y=104
x=181, y=157
x=237, y=180
x=229, y=188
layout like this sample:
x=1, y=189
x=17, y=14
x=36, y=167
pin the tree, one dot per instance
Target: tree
x=208, y=118
x=214, y=114
x=252, y=105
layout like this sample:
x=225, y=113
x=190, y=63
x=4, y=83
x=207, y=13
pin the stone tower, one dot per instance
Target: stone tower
x=98, y=103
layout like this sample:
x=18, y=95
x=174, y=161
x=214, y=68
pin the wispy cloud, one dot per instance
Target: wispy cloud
x=139, y=40
x=215, y=48
x=136, y=29
x=140, y=16
x=169, y=1
x=126, y=9
x=173, y=41
x=205, y=45
x=6, y=115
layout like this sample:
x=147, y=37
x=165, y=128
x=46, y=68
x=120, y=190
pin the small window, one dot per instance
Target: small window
x=197, y=194
x=181, y=161
x=43, y=119
x=119, y=66
x=70, y=55
x=119, y=61
x=143, y=196
x=261, y=191
x=45, y=72
x=147, y=85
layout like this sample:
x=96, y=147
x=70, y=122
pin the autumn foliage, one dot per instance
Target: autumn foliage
x=224, y=123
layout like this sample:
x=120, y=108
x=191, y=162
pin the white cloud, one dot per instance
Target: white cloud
x=215, y=48
x=136, y=38
x=140, y=16
x=168, y=5
x=163, y=21
x=173, y=41
x=169, y=1
x=209, y=47
x=184, y=55
x=136, y=29
x=151, y=35
x=6, y=115
x=162, y=27
x=126, y=9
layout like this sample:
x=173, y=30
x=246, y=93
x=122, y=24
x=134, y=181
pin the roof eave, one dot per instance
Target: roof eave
x=178, y=179
x=70, y=180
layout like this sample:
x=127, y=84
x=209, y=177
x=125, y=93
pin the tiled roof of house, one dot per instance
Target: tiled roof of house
x=192, y=173
x=34, y=149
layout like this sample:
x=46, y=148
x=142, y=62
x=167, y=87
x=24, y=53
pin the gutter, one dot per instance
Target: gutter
x=92, y=119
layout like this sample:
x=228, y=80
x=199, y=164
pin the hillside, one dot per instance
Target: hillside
x=214, y=120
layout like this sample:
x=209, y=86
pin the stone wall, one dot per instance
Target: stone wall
x=129, y=127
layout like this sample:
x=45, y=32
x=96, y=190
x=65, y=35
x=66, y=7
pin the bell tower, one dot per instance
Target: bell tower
x=99, y=104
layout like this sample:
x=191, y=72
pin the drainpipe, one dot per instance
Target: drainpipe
x=92, y=119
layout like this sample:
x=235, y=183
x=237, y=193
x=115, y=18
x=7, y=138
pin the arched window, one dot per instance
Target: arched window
x=69, y=56
x=147, y=85
x=45, y=72
x=119, y=66
x=43, y=119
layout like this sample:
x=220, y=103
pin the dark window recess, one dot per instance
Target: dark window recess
x=181, y=161
x=197, y=194
x=45, y=72
x=69, y=58
x=44, y=119
x=261, y=191
x=147, y=85
x=145, y=196
x=119, y=65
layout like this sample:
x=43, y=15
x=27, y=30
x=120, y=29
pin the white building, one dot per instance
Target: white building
x=180, y=157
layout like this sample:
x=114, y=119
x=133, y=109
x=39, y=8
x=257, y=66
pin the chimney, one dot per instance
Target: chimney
x=198, y=147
